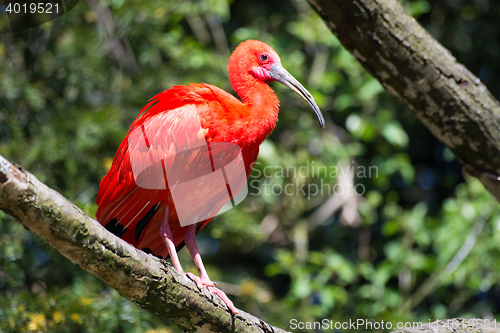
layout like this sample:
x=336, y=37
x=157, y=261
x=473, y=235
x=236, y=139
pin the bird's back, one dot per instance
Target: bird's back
x=173, y=141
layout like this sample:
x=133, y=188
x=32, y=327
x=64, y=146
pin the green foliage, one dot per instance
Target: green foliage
x=72, y=310
x=70, y=88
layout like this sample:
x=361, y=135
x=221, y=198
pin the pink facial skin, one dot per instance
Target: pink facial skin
x=266, y=61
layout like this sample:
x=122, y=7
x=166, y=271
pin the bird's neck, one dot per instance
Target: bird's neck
x=262, y=106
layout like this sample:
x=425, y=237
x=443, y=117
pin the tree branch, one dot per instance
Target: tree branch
x=144, y=279
x=449, y=100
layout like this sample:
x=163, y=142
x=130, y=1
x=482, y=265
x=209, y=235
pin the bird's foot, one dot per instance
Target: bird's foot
x=206, y=283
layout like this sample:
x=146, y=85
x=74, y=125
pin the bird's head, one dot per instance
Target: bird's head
x=263, y=63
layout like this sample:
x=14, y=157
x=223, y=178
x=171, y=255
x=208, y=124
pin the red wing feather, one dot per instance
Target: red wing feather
x=133, y=194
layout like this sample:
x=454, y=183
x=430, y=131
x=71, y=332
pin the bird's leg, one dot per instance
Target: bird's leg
x=168, y=239
x=203, y=280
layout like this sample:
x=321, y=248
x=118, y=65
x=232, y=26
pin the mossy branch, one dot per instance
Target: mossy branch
x=447, y=98
x=144, y=279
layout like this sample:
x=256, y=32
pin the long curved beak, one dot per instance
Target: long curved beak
x=281, y=75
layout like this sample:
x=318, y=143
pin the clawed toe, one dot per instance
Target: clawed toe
x=206, y=283
x=222, y=295
x=200, y=283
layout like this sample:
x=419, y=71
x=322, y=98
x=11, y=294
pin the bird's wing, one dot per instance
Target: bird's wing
x=165, y=146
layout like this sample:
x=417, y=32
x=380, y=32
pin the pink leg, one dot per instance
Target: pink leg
x=203, y=280
x=168, y=239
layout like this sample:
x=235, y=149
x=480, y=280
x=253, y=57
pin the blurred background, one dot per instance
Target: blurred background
x=420, y=243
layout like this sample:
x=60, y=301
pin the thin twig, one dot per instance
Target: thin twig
x=435, y=279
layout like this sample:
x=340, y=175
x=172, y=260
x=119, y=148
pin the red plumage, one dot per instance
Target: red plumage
x=119, y=196
x=178, y=120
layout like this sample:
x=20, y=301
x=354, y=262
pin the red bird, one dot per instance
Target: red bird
x=188, y=153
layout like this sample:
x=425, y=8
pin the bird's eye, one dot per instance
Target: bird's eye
x=263, y=57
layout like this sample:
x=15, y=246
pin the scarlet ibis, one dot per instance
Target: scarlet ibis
x=165, y=148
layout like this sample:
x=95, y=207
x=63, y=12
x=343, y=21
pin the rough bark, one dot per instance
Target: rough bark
x=449, y=100
x=144, y=279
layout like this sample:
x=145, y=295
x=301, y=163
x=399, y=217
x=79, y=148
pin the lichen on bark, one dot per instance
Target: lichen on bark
x=414, y=67
x=144, y=279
